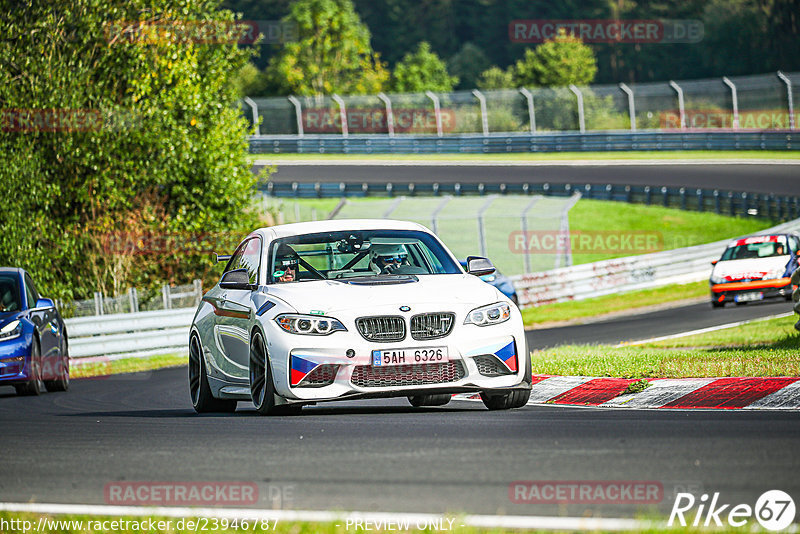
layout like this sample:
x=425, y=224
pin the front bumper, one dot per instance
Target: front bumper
x=15, y=359
x=774, y=288
x=480, y=359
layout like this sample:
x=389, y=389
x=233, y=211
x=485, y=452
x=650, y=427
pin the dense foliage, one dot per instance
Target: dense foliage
x=123, y=153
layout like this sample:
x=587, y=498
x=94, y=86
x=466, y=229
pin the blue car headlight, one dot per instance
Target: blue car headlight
x=309, y=325
x=11, y=330
x=497, y=313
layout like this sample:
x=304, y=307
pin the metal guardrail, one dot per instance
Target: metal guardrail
x=130, y=334
x=600, y=278
x=511, y=143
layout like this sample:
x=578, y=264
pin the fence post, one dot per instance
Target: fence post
x=98, y=303
x=579, y=95
x=198, y=289
x=254, y=108
x=735, y=100
x=531, y=111
x=631, y=105
x=481, y=225
x=342, y=113
x=133, y=299
x=298, y=113
x=435, y=214
x=165, y=296
x=788, y=83
x=437, y=111
x=389, y=113
x=484, y=116
x=527, y=255
x=681, y=107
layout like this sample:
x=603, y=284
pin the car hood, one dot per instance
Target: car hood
x=752, y=269
x=329, y=297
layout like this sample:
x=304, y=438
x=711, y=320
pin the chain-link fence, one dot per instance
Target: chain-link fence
x=136, y=300
x=760, y=102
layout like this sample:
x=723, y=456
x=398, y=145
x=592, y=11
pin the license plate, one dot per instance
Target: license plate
x=389, y=357
x=749, y=297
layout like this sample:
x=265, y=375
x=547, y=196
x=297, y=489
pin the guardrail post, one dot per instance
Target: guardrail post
x=647, y=195
x=745, y=204
x=579, y=95
x=133, y=299
x=717, y=209
x=342, y=113
x=437, y=112
x=254, y=109
x=298, y=113
x=389, y=113
x=98, y=303
x=700, y=200
x=631, y=105
x=198, y=289
x=789, y=99
x=665, y=193
x=731, y=204
x=531, y=111
x=165, y=297
x=682, y=192
x=735, y=100
x=681, y=107
x=484, y=116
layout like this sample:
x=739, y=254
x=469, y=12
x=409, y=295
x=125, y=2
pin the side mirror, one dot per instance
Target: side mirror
x=479, y=266
x=219, y=258
x=45, y=303
x=714, y=262
x=237, y=279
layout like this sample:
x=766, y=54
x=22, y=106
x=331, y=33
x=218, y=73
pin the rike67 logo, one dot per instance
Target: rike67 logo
x=774, y=510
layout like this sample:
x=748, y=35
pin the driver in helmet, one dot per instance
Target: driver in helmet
x=391, y=259
x=286, y=262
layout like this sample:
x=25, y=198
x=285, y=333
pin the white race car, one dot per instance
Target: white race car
x=347, y=309
x=755, y=268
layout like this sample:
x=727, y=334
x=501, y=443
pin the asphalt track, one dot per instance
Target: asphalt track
x=654, y=324
x=778, y=178
x=384, y=455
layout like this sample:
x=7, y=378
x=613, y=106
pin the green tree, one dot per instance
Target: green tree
x=332, y=53
x=467, y=64
x=422, y=70
x=496, y=78
x=557, y=62
x=125, y=130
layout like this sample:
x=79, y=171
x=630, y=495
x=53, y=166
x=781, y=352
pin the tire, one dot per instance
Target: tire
x=262, y=388
x=741, y=304
x=61, y=382
x=716, y=304
x=429, y=400
x=199, y=391
x=513, y=399
x=34, y=386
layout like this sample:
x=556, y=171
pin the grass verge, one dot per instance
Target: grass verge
x=545, y=156
x=125, y=365
x=762, y=348
x=610, y=304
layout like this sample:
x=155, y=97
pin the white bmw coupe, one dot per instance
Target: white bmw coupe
x=348, y=309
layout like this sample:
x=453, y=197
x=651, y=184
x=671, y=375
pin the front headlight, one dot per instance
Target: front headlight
x=11, y=330
x=716, y=279
x=497, y=313
x=309, y=325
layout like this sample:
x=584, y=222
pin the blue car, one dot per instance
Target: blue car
x=501, y=282
x=33, y=340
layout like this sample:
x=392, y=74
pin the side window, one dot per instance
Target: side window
x=795, y=243
x=30, y=291
x=247, y=256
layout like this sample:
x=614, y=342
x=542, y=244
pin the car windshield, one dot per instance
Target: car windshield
x=768, y=247
x=357, y=254
x=9, y=292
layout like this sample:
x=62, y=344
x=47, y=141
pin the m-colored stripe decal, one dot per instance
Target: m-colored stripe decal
x=226, y=313
x=594, y=392
x=731, y=393
x=755, y=284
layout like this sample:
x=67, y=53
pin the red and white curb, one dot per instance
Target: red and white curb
x=732, y=393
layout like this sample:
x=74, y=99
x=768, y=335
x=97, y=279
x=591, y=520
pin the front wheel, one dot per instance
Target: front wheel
x=61, y=381
x=34, y=385
x=717, y=304
x=262, y=388
x=202, y=399
x=513, y=399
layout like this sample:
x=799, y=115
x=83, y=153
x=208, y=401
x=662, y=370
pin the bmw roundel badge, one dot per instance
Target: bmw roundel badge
x=405, y=308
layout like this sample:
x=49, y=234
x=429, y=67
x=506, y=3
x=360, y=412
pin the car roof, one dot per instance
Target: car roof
x=338, y=225
x=15, y=270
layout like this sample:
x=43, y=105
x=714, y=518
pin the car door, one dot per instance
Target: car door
x=235, y=309
x=45, y=321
